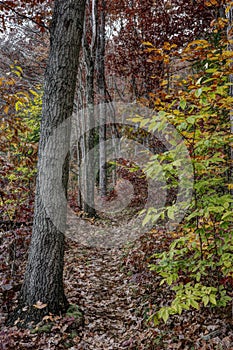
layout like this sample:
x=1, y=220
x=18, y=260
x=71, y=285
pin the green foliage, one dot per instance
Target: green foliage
x=45, y=328
x=199, y=263
x=31, y=115
x=19, y=128
x=74, y=311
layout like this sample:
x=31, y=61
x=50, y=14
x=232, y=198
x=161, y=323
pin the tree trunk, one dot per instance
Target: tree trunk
x=80, y=136
x=43, y=280
x=87, y=140
x=89, y=206
x=102, y=93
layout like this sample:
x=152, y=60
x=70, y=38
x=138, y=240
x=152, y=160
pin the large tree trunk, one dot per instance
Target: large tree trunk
x=43, y=281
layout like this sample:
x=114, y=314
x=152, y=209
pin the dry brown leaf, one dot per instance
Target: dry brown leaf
x=39, y=305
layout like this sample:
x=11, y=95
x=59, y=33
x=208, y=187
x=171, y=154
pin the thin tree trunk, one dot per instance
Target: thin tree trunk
x=80, y=137
x=88, y=178
x=102, y=93
x=43, y=280
x=89, y=206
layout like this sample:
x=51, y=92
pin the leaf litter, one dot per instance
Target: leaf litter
x=117, y=293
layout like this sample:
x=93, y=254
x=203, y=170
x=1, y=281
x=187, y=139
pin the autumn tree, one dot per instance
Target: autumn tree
x=198, y=265
x=23, y=55
x=24, y=32
x=133, y=22
x=43, y=280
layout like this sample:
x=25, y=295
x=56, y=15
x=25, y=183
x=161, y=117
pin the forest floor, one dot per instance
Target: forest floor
x=117, y=293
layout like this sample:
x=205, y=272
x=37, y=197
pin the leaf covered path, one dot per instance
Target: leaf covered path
x=117, y=292
x=107, y=298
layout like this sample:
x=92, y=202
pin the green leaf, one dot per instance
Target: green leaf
x=199, y=81
x=211, y=70
x=183, y=104
x=146, y=220
x=213, y=299
x=205, y=300
x=204, y=100
x=170, y=213
x=155, y=217
x=228, y=216
x=227, y=264
x=191, y=120
x=144, y=122
x=162, y=282
x=198, y=92
x=155, y=320
x=182, y=126
x=169, y=280
x=194, y=303
x=179, y=309
x=164, y=314
x=198, y=277
x=136, y=119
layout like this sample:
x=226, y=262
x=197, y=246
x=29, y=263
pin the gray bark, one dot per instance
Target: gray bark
x=86, y=118
x=100, y=65
x=89, y=206
x=43, y=280
x=80, y=136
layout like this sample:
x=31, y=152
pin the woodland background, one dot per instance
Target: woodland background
x=171, y=290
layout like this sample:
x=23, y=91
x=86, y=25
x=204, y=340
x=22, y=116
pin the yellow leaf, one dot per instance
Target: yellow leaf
x=229, y=6
x=147, y=43
x=6, y=109
x=18, y=106
x=211, y=2
x=166, y=45
x=19, y=68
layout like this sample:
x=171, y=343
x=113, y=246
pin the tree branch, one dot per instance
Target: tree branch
x=23, y=16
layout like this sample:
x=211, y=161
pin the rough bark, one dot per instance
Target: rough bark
x=89, y=207
x=80, y=138
x=43, y=280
